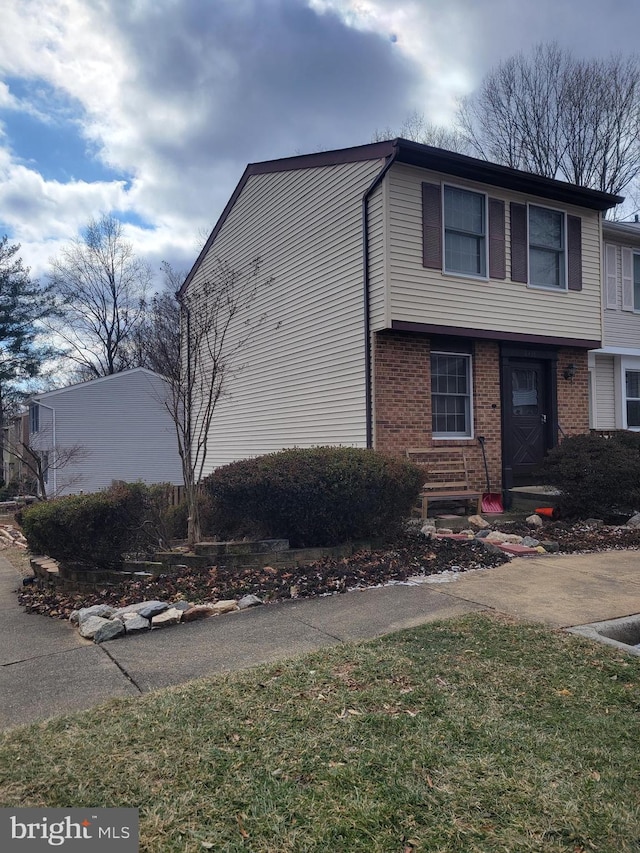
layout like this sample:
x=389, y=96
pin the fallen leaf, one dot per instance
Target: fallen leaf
x=429, y=781
x=243, y=831
x=595, y=775
x=564, y=692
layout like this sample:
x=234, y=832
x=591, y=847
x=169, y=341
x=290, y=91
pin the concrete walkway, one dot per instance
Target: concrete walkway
x=47, y=669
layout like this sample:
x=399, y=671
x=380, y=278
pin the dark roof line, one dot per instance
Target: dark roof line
x=426, y=157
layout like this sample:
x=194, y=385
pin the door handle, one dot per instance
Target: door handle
x=543, y=419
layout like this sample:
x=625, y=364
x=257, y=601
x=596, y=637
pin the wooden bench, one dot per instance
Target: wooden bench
x=447, y=477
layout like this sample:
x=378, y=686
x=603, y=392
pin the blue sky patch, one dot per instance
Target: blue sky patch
x=48, y=139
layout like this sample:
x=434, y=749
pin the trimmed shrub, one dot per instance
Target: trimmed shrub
x=597, y=476
x=96, y=529
x=316, y=497
x=176, y=518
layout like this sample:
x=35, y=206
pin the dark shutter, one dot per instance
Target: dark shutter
x=519, y=248
x=497, y=259
x=574, y=252
x=431, y=226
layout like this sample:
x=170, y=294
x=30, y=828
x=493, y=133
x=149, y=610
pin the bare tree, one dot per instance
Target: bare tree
x=101, y=288
x=558, y=116
x=417, y=129
x=216, y=325
x=42, y=466
x=155, y=343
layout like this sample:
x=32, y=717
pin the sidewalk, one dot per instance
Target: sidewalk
x=47, y=669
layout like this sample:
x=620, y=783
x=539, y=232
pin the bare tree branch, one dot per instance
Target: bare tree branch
x=561, y=117
x=214, y=332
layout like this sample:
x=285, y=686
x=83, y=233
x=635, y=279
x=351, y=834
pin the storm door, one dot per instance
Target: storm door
x=527, y=418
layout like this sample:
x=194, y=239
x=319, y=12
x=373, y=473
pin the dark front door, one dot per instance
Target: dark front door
x=527, y=418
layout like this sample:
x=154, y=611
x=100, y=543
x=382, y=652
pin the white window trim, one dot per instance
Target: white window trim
x=549, y=287
x=626, y=363
x=443, y=236
x=451, y=436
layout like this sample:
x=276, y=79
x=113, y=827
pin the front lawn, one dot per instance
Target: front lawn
x=475, y=734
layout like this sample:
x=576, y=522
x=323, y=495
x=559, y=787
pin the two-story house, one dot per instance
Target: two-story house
x=419, y=298
x=115, y=427
x=615, y=367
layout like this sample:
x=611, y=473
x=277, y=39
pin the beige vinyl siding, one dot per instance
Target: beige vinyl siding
x=122, y=426
x=604, y=379
x=302, y=381
x=621, y=328
x=429, y=296
x=378, y=258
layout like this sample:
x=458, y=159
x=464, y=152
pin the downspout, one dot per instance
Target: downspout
x=367, y=320
x=53, y=448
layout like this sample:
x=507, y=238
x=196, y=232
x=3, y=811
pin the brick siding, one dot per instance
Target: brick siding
x=573, y=394
x=402, y=402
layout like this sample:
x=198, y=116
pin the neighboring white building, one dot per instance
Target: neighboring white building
x=120, y=424
x=614, y=368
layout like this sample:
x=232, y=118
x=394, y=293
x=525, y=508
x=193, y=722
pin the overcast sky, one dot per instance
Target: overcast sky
x=151, y=109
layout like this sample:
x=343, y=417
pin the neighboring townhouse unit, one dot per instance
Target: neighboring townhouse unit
x=15, y=436
x=615, y=367
x=119, y=426
x=419, y=298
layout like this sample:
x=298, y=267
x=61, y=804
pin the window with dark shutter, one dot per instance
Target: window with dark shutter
x=574, y=252
x=497, y=257
x=519, y=247
x=431, y=226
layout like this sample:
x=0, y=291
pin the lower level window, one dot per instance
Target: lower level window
x=451, y=395
x=632, y=390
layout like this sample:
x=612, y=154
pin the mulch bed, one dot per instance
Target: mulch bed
x=411, y=555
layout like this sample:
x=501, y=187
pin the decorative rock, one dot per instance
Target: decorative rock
x=225, y=606
x=534, y=520
x=140, y=606
x=249, y=601
x=497, y=536
x=85, y=613
x=428, y=529
x=152, y=609
x=114, y=628
x=198, y=611
x=91, y=625
x=134, y=623
x=482, y=534
x=182, y=605
x=491, y=547
x=634, y=521
x=530, y=542
x=550, y=547
x=170, y=616
x=445, y=531
x=478, y=521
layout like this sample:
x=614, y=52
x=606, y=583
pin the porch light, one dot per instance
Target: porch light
x=570, y=371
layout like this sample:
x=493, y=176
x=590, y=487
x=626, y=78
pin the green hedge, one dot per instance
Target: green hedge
x=95, y=529
x=597, y=476
x=315, y=497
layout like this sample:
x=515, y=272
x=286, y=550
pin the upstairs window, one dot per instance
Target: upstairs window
x=465, y=242
x=451, y=395
x=547, y=259
x=34, y=418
